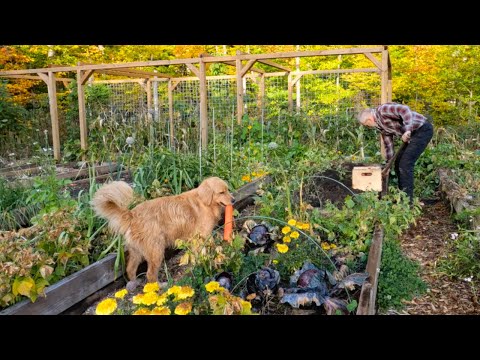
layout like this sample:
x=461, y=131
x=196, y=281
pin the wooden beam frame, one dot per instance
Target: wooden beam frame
x=210, y=59
x=261, y=93
x=292, y=54
x=148, y=89
x=368, y=295
x=82, y=118
x=33, y=77
x=203, y=106
x=374, y=60
x=85, y=76
x=239, y=67
x=275, y=65
x=194, y=69
x=232, y=63
x=247, y=67
x=49, y=79
x=296, y=78
x=290, y=92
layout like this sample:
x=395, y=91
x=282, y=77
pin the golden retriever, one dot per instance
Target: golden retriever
x=152, y=226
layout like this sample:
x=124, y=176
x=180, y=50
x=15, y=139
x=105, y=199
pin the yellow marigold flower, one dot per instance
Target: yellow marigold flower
x=121, y=294
x=185, y=292
x=106, y=307
x=162, y=299
x=138, y=299
x=286, y=230
x=153, y=286
x=294, y=235
x=212, y=286
x=249, y=127
x=161, y=310
x=183, y=308
x=150, y=298
x=142, y=311
x=325, y=246
x=292, y=222
x=254, y=173
x=306, y=226
x=282, y=248
x=275, y=261
x=173, y=290
x=333, y=246
x=247, y=305
x=287, y=239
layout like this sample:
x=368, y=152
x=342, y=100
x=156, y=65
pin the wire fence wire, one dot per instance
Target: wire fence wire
x=118, y=110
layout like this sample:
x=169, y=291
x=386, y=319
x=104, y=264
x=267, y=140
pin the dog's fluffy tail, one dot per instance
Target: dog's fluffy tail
x=111, y=202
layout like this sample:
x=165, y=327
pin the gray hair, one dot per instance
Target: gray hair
x=363, y=115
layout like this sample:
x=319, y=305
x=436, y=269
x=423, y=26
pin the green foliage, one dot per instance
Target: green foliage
x=14, y=210
x=23, y=270
x=212, y=255
x=161, y=172
x=463, y=258
x=398, y=279
x=49, y=193
x=10, y=113
x=353, y=224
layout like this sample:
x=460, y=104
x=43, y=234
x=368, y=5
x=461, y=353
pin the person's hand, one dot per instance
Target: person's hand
x=406, y=136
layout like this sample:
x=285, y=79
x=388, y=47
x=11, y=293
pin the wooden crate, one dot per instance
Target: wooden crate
x=367, y=178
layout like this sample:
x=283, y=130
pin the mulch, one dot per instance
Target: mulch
x=428, y=242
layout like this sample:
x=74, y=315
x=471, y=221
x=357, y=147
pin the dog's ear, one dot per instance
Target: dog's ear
x=205, y=193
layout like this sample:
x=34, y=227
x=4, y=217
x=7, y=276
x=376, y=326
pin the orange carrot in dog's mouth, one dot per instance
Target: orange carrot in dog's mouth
x=228, y=227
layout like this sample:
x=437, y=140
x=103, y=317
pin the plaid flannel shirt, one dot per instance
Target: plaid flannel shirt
x=395, y=119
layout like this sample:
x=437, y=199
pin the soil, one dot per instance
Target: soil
x=427, y=243
x=324, y=186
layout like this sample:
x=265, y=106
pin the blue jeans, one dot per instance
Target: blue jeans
x=406, y=159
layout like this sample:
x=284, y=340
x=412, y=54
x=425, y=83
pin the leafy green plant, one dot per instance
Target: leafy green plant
x=14, y=210
x=212, y=255
x=463, y=259
x=398, y=279
x=24, y=271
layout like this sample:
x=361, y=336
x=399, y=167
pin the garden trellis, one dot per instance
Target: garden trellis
x=185, y=112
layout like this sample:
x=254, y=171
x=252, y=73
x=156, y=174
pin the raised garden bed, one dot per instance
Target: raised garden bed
x=75, y=291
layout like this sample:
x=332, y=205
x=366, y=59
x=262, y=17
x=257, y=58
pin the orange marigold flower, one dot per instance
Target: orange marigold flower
x=183, y=308
x=161, y=310
x=185, y=292
x=173, y=290
x=142, y=311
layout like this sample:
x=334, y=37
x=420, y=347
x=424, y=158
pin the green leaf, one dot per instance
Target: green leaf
x=349, y=202
x=25, y=286
x=352, y=305
x=15, y=285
